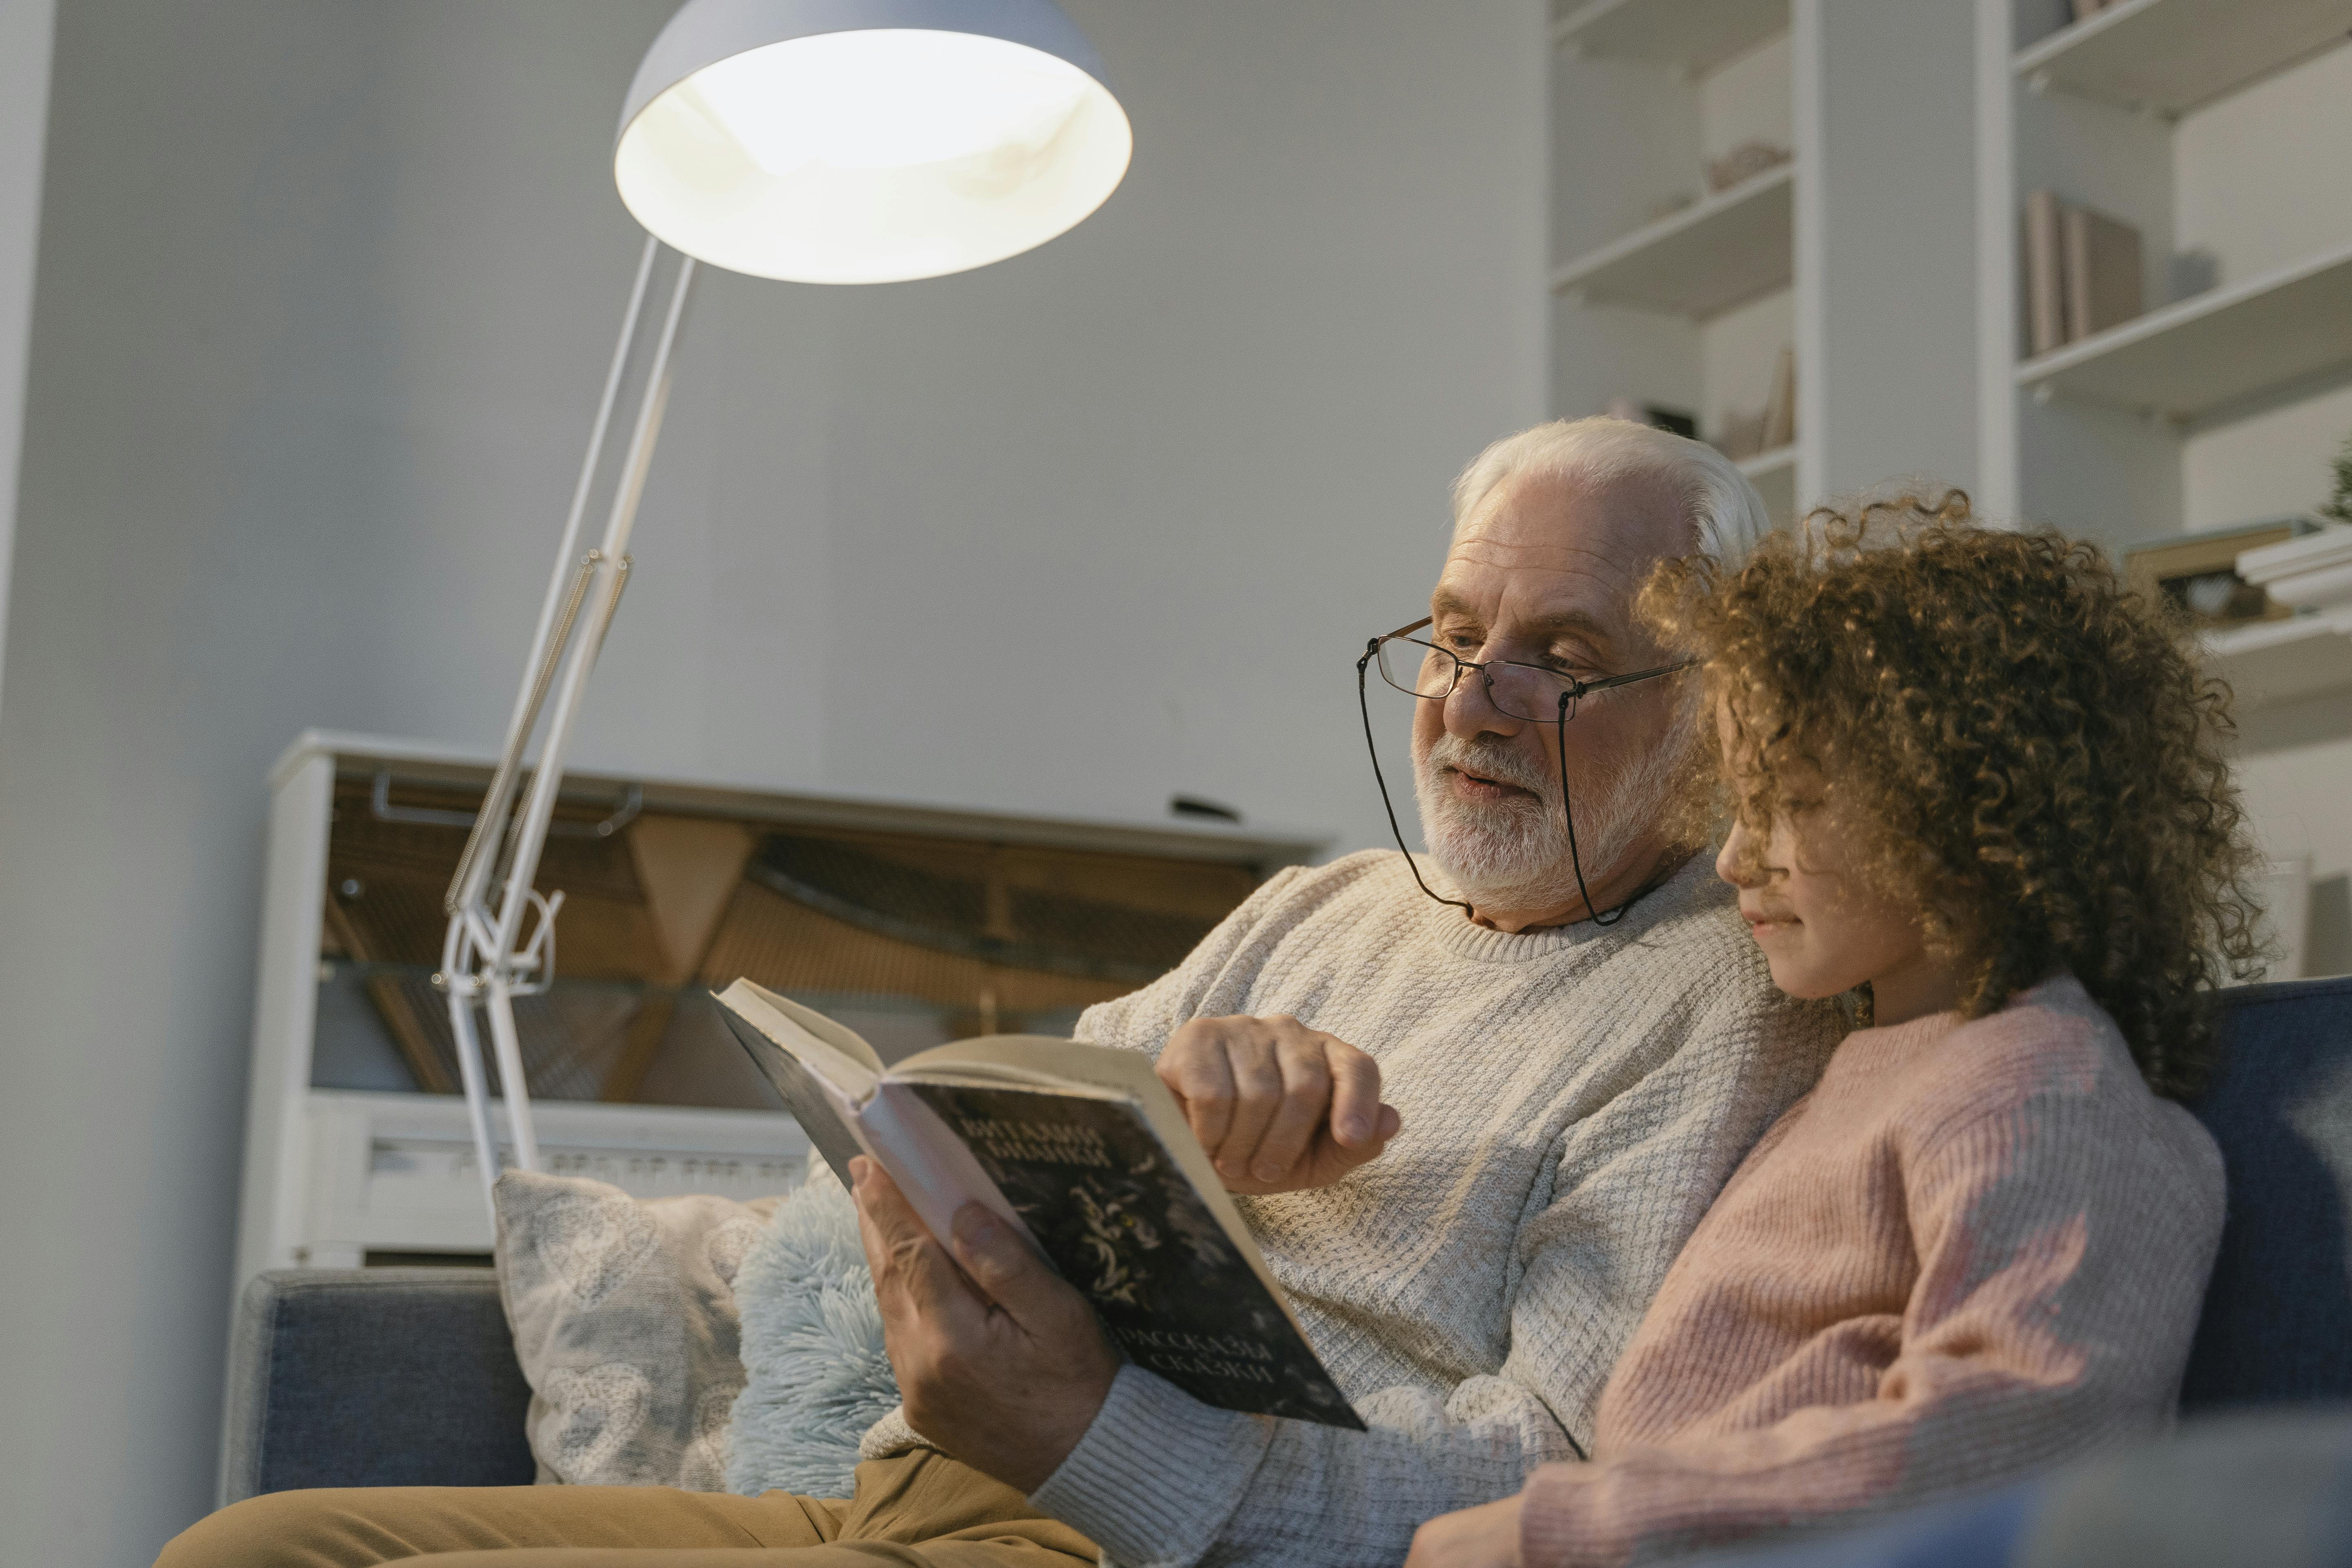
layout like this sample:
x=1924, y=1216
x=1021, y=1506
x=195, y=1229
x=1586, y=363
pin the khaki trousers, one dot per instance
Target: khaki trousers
x=921, y=1510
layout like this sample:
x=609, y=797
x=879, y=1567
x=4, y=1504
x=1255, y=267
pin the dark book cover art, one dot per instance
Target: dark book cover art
x=1119, y=1217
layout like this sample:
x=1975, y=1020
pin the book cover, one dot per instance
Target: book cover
x=2045, y=293
x=2103, y=272
x=1118, y=1217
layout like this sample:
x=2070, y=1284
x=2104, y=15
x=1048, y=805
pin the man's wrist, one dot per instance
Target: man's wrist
x=1158, y=1472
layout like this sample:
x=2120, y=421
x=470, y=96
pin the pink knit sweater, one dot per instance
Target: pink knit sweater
x=1975, y=1248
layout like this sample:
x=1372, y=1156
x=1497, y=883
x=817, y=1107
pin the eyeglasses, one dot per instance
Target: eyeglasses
x=1529, y=693
x=1534, y=692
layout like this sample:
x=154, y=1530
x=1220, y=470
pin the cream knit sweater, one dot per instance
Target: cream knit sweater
x=1975, y=1249
x=1573, y=1099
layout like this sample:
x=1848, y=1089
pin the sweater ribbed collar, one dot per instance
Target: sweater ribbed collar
x=1693, y=885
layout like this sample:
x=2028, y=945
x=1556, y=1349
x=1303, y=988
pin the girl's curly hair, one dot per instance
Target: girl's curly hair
x=2037, y=754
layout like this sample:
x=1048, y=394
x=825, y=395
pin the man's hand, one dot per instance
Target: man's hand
x=1000, y=1363
x=1278, y=1106
x=1483, y=1537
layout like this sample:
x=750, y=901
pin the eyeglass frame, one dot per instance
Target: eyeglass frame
x=1575, y=692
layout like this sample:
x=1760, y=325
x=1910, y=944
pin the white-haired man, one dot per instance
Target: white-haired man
x=1579, y=1043
x=1472, y=1123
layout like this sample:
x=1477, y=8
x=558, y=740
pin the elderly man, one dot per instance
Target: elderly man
x=1575, y=1042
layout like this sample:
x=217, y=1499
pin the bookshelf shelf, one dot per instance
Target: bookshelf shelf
x=2214, y=349
x=2280, y=661
x=1774, y=475
x=1691, y=35
x=1724, y=251
x=2169, y=56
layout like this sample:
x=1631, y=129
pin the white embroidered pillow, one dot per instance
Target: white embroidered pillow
x=624, y=1321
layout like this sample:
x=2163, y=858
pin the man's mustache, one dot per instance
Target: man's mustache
x=1489, y=758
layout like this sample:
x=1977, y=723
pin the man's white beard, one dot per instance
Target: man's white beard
x=1513, y=854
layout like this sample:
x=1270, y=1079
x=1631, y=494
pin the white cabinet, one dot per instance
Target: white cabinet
x=917, y=923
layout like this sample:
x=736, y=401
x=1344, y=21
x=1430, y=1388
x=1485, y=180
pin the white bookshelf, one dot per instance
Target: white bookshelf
x=2273, y=662
x=2216, y=128
x=1667, y=292
x=2173, y=56
x=2222, y=347
x=1692, y=37
x=1774, y=475
x=1715, y=254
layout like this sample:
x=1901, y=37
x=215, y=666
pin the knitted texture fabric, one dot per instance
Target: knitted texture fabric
x=1572, y=1100
x=1975, y=1249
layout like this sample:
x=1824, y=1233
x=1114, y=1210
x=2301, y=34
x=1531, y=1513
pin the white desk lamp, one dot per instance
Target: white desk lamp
x=812, y=141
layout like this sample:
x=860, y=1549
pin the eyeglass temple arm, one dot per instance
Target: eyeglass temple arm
x=1606, y=681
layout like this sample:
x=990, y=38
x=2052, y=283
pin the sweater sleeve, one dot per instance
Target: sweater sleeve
x=1162, y=1481
x=2063, y=1244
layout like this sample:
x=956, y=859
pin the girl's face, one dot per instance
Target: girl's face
x=1823, y=928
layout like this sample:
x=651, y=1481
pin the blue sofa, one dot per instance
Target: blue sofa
x=407, y=1377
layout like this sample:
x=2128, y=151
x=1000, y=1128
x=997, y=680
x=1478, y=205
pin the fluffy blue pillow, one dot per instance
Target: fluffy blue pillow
x=811, y=1346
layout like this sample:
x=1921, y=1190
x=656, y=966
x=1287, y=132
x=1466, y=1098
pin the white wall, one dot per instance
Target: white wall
x=325, y=290
x=25, y=28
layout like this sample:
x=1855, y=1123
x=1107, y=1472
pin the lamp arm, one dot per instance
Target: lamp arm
x=489, y=958
x=474, y=866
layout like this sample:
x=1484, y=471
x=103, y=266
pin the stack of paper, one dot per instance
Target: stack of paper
x=2314, y=570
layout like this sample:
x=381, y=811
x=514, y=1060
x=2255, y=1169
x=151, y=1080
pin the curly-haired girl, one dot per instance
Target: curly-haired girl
x=1974, y=781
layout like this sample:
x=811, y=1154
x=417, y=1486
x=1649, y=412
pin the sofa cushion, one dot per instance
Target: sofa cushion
x=2277, y=1323
x=372, y=1377
x=624, y=1321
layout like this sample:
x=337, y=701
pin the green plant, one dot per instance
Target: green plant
x=2339, y=505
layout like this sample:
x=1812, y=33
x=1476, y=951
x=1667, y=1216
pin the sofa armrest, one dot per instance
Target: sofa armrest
x=372, y=1377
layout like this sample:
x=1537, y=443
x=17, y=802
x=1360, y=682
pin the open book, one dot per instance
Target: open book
x=1084, y=1149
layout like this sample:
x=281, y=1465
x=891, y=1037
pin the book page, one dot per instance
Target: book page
x=833, y=1049
x=823, y=1109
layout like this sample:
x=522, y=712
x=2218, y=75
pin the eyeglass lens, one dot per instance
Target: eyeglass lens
x=1520, y=690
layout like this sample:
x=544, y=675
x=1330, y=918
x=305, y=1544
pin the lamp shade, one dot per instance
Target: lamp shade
x=868, y=141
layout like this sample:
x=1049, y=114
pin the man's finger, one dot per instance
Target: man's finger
x=1355, y=1093
x=1306, y=1095
x=1204, y=1081
x=1331, y=1158
x=1011, y=1274
x=1257, y=1095
x=911, y=1271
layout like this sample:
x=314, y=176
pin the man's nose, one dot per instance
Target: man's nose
x=1470, y=709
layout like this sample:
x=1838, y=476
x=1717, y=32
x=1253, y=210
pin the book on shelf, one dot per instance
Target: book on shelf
x=2103, y=277
x=2045, y=272
x=2082, y=272
x=2313, y=590
x=2324, y=549
x=2199, y=571
x=1083, y=1150
x=1780, y=408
